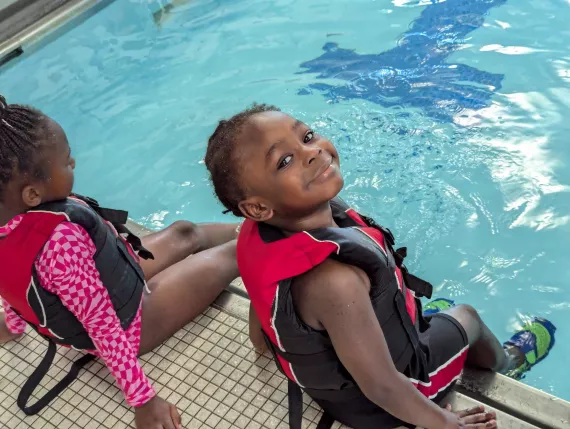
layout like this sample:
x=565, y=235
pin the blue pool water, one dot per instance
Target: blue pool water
x=451, y=117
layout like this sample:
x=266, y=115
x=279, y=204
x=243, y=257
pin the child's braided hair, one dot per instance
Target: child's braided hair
x=21, y=131
x=221, y=157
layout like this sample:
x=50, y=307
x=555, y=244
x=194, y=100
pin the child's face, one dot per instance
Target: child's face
x=58, y=169
x=287, y=170
x=60, y=177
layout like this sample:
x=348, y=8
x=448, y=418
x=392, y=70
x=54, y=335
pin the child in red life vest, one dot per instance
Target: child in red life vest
x=57, y=252
x=334, y=302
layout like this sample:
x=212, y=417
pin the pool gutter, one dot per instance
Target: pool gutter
x=518, y=406
x=38, y=22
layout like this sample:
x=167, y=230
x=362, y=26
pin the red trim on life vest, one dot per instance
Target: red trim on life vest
x=355, y=217
x=378, y=237
x=444, y=376
x=19, y=251
x=265, y=266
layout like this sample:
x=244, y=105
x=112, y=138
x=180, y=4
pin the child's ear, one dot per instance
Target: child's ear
x=255, y=210
x=31, y=196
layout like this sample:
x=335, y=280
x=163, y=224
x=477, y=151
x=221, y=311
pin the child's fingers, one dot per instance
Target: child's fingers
x=448, y=407
x=488, y=425
x=471, y=411
x=176, y=418
x=479, y=418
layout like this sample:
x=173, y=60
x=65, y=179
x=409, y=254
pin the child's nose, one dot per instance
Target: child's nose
x=312, y=154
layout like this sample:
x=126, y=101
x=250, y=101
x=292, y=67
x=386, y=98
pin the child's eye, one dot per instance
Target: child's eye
x=284, y=162
x=309, y=136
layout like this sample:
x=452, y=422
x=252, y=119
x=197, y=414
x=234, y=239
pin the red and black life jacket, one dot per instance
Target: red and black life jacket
x=21, y=287
x=269, y=262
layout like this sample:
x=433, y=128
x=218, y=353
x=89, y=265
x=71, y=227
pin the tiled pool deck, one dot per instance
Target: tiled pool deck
x=208, y=370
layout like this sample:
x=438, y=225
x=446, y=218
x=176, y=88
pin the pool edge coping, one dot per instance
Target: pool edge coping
x=43, y=30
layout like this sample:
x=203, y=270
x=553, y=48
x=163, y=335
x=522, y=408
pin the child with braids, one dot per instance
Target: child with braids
x=334, y=302
x=67, y=272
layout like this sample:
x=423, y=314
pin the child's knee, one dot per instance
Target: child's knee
x=469, y=319
x=469, y=312
x=184, y=233
x=184, y=229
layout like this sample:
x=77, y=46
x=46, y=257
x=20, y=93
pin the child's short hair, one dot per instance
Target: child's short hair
x=21, y=129
x=221, y=159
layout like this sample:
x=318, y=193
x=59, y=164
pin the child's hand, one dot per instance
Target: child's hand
x=5, y=334
x=255, y=333
x=473, y=418
x=157, y=414
x=256, y=338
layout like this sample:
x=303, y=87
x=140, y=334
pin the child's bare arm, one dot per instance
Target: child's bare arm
x=340, y=298
x=255, y=334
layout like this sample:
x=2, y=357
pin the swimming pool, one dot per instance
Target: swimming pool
x=450, y=117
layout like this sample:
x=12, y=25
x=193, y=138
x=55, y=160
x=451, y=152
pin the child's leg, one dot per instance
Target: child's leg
x=485, y=350
x=180, y=240
x=182, y=291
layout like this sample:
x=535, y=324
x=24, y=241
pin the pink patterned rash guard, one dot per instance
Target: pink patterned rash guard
x=66, y=268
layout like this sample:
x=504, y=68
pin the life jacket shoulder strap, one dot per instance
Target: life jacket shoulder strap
x=420, y=287
x=117, y=218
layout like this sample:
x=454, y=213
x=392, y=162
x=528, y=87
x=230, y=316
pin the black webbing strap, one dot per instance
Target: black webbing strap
x=118, y=218
x=295, y=400
x=316, y=359
x=326, y=421
x=134, y=241
x=39, y=373
x=295, y=396
x=420, y=287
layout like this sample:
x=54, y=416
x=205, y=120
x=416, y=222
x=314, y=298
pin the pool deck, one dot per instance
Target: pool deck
x=208, y=369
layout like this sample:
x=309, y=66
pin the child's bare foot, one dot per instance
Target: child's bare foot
x=5, y=335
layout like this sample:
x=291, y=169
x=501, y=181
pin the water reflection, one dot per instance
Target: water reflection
x=416, y=73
